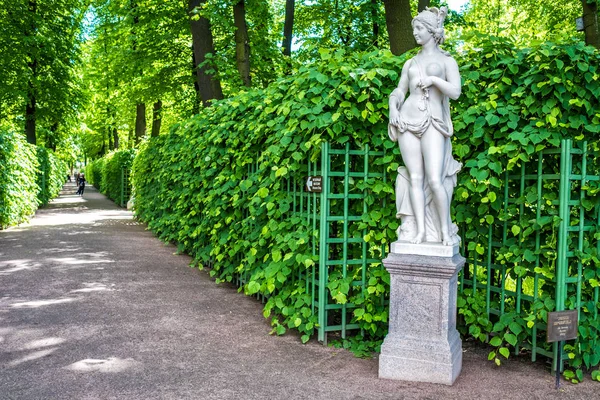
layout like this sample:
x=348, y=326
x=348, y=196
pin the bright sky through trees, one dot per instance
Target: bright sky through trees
x=456, y=5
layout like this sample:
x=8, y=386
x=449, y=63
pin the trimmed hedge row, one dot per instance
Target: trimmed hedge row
x=105, y=173
x=216, y=185
x=30, y=176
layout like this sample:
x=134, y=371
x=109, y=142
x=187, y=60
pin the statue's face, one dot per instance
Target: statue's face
x=421, y=34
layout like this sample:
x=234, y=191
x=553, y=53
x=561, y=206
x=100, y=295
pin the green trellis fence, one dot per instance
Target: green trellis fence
x=518, y=273
x=539, y=252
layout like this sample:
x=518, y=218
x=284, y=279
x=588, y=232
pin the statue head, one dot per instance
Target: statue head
x=433, y=19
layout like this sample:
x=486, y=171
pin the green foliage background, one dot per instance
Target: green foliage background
x=30, y=176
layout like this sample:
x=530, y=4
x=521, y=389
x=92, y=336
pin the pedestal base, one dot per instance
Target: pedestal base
x=423, y=343
x=421, y=361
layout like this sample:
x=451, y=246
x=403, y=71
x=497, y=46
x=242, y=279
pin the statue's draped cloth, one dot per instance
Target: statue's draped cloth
x=404, y=209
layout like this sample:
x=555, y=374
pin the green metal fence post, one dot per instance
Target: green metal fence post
x=562, y=264
x=323, y=246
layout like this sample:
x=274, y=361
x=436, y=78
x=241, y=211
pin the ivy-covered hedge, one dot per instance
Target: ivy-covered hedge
x=216, y=184
x=53, y=173
x=29, y=177
x=516, y=103
x=105, y=173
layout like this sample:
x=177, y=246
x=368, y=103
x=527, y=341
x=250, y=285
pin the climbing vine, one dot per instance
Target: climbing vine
x=217, y=184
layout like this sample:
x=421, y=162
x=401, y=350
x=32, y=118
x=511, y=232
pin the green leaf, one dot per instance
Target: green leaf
x=276, y=255
x=263, y=192
x=253, y=287
x=504, y=351
x=496, y=341
x=281, y=172
x=492, y=119
x=510, y=338
x=479, y=249
x=515, y=328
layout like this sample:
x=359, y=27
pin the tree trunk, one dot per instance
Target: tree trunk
x=375, y=16
x=198, y=99
x=131, y=138
x=202, y=39
x=590, y=23
x=30, y=117
x=422, y=5
x=156, y=118
x=140, y=122
x=108, y=122
x=109, y=136
x=288, y=27
x=115, y=133
x=398, y=19
x=30, y=107
x=52, y=135
x=242, y=42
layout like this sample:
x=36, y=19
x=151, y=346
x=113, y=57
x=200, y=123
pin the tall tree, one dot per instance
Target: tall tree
x=398, y=19
x=140, y=122
x=288, y=27
x=140, y=108
x=156, y=118
x=242, y=42
x=375, y=18
x=202, y=38
x=39, y=51
x=30, y=106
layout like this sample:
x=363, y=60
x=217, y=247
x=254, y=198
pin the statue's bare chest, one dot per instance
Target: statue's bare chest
x=427, y=68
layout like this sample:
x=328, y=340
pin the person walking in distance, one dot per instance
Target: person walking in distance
x=81, y=187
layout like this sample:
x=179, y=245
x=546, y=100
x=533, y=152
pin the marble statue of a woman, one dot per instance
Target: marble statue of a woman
x=421, y=125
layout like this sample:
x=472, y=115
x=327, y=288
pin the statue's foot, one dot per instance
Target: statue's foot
x=419, y=238
x=447, y=240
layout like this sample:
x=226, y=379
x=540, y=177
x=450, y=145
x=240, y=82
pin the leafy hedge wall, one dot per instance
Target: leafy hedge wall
x=193, y=186
x=105, y=173
x=196, y=185
x=52, y=176
x=29, y=176
x=516, y=103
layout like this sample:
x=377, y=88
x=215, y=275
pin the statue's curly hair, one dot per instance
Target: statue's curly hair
x=433, y=19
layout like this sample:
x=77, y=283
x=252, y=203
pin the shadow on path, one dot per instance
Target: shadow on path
x=92, y=306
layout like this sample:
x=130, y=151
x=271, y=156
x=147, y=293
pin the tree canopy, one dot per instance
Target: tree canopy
x=84, y=77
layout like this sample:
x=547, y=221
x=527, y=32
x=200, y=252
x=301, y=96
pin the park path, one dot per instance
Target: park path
x=93, y=306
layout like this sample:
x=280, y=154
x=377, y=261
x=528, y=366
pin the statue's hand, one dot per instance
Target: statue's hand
x=395, y=104
x=394, y=117
x=426, y=82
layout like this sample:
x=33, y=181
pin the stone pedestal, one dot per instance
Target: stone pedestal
x=422, y=343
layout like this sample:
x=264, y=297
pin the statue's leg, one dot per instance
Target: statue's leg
x=434, y=153
x=410, y=147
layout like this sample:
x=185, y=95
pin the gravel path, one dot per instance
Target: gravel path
x=93, y=306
